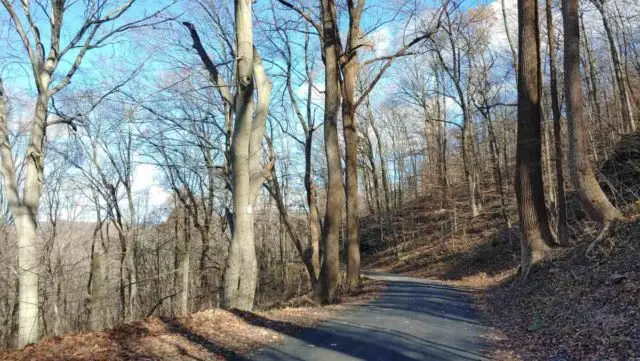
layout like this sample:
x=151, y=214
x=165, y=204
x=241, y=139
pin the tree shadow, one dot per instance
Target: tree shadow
x=500, y=252
x=443, y=243
x=177, y=327
x=130, y=346
x=127, y=338
x=409, y=321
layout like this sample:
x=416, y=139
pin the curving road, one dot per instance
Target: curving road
x=413, y=319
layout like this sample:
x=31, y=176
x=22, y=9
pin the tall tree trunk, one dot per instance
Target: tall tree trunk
x=374, y=178
x=592, y=86
x=206, y=274
x=514, y=53
x=505, y=151
x=132, y=277
x=25, y=213
x=309, y=255
x=467, y=138
x=431, y=128
x=96, y=288
x=315, y=228
x=468, y=163
x=349, y=71
x=441, y=115
x=368, y=189
x=383, y=164
x=582, y=176
x=241, y=272
x=625, y=101
x=330, y=270
x=314, y=217
x=28, y=271
x=132, y=238
x=534, y=225
x=183, y=264
x=97, y=274
x=247, y=175
x=495, y=162
x=546, y=147
x=561, y=203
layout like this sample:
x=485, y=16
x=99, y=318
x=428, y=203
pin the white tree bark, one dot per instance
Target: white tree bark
x=43, y=65
x=25, y=210
x=241, y=271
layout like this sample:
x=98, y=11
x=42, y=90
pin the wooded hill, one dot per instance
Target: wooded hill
x=169, y=157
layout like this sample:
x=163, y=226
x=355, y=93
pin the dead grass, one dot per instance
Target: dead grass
x=207, y=335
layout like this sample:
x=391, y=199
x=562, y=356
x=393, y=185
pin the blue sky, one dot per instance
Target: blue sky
x=162, y=55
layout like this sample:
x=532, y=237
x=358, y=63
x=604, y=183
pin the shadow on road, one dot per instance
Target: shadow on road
x=411, y=320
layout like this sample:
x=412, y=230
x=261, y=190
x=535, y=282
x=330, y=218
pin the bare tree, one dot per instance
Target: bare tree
x=330, y=269
x=349, y=67
x=561, y=206
x=534, y=224
x=309, y=251
x=93, y=32
x=456, y=50
x=620, y=78
x=584, y=181
x=240, y=276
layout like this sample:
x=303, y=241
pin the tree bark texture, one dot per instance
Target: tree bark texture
x=561, y=203
x=584, y=181
x=330, y=269
x=534, y=225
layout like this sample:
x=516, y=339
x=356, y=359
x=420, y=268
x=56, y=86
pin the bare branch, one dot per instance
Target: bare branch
x=7, y=168
x=304, y=15
x=401, y=52
x=25, y=42
x=215, y=76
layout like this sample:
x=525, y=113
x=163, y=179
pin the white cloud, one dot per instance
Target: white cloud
x=499, y=40
x=317, y=95
x=145, y=184
x=381, y=41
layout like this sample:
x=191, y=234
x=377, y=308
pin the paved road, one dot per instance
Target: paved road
x=413, y=319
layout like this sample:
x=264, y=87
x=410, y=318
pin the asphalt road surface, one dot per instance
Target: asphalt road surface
x=413, y=319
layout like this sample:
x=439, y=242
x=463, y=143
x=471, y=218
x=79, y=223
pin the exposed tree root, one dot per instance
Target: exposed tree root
x=605, y=232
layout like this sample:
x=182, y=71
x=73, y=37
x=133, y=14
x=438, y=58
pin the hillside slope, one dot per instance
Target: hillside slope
x=570, y=308
x=213, y=334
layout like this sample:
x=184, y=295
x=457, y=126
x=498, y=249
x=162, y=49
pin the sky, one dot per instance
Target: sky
x=108, y=63
x=105, y=65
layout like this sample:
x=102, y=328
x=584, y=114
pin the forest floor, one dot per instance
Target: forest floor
x=571, y=307
x=208, y=335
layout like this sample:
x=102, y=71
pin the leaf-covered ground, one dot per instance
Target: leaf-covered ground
x=572, y=307
x=207, y=335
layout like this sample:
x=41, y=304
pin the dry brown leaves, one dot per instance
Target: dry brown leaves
x=207, y=335
x=570, y=308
